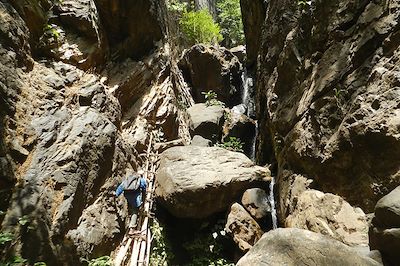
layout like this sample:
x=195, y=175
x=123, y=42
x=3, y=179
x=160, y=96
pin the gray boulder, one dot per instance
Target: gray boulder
x=195, y=182
x=200, y=141
x=384, y=234
x=206, y=121
x=244, y=229
x=290, y=246
x=256, y=202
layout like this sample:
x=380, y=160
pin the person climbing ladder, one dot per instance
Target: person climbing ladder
x=134, y=188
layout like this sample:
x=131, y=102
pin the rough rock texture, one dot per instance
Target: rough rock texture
x=199, y=181
x=292, y=246
x=328, y=96
x=256, y=202
x=330, y=215
x=384, y=233
x=74, y=34
x=212, y=68
x=253, y=15
x=244, y=229
x=206, y=121
x=65, y=141
x=133, y=27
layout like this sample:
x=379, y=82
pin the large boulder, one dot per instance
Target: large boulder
x=384, y=233
x=208, y=68
x=244, y=229
x=330, y=215
x=195, y=182
x=206, y=121
x=292, y=246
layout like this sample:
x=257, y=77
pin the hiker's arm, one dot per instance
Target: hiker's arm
x=119, y=190
x=143, y=184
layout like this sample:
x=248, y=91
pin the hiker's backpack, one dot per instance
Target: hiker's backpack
x=132, y=183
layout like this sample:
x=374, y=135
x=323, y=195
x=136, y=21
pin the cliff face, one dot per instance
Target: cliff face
x=328, y=97
x=81, y=85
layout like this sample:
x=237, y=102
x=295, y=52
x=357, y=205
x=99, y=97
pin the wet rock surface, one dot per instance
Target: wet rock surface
x=196, y=182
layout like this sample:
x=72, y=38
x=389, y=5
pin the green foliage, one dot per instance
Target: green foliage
x=161, y=252
x=206, y=247
x=211, y=98
x=15, y=261
x=177, y=7
x=5, y=238
x=100, y=261
x=303, y=4
x=233, y=144
x=199, y=27
x=230, y=20
x=339, y=97
x=40, y=263
x=24, y=220
x=51, y=30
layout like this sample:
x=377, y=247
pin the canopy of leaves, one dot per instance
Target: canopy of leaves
x=199, y=27
x=230, y=20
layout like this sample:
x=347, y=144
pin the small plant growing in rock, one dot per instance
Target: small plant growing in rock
x=233, y=144
x=100, y=261
x=211, y=98
x=51, y=29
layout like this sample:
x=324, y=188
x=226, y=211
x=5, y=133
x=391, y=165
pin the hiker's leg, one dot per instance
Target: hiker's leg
x=132, y=223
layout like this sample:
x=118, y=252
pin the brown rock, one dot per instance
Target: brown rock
x=208, y=68
x=244, y=229
x=330, y=215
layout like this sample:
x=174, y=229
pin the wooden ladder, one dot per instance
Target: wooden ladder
x=135, y=250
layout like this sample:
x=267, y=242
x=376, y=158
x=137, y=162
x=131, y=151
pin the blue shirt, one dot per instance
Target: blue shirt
x=134, y=198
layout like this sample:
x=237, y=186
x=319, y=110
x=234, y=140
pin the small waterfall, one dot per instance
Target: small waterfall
x=247, y=93
x=253, y=143
x=248, y=108
x=271, y=200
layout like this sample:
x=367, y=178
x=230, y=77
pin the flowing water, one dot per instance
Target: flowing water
x=247, y=93
x=271, y=200
x=248, y=108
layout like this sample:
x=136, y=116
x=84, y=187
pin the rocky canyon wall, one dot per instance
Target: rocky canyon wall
x=327, y=94
x=81, y=85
